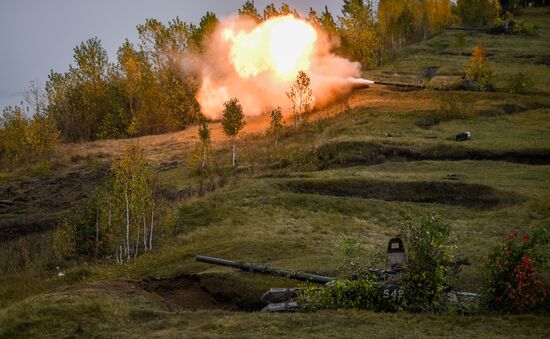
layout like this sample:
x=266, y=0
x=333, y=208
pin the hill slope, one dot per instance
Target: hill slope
x=289, y=206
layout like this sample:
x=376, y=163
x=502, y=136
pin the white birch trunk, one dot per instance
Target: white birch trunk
x=127, y=226
x=137, y=243
x=152, y=222
x=144, y=233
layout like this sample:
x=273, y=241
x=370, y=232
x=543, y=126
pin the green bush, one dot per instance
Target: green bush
x=512, y=281
x=510, y=25
x=520, y=83
x=451, y=107
x=426, y=274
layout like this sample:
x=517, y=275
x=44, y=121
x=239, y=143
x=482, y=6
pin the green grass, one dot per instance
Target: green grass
x=254, y=217
x=92, y=314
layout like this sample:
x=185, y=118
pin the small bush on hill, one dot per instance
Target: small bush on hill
x=509, y=25
x=426, y=274
x=520, y=83
x=513, y=283
x=479, y=72
x=451, y=107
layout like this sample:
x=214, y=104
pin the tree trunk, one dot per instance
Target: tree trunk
x=127, y=226
x=152, y=221
x=144, y=233
x=137, y=243
x=203, y=156
x=234, y=153
x=96, y=231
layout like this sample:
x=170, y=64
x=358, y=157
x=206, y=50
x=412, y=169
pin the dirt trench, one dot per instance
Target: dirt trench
x=449, y=193
x=204, y=291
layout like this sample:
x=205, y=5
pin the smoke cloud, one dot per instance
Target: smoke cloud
x=257, y=63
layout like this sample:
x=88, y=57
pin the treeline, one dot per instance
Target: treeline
x=142, y=93
x=27, y=133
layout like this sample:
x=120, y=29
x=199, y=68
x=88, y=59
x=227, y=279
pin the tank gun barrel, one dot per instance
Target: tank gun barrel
x=319, y=279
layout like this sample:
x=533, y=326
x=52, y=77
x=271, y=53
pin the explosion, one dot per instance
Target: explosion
x=257, y=63
x=281, y=46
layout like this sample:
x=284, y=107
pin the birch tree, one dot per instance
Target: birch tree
x=204, y=135
x=301, y=97
x=276, y=123
x=134, y=181
x=232, y=123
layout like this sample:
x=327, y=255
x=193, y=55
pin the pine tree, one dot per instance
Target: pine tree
x=250, y=11
x=270, y=11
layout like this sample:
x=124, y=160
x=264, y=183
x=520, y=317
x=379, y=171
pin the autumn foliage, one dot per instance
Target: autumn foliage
x=513, y=282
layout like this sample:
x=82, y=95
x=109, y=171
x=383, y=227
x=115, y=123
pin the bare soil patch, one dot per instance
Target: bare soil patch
x=29, y=205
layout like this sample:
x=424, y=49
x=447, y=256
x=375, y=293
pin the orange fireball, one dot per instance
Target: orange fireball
x=281, y=46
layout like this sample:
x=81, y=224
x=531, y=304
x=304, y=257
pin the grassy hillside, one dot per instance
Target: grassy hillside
x=290, y=206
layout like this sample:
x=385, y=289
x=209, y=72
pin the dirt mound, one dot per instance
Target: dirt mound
x=33, y=205
x=450, y=193
x=185, y=292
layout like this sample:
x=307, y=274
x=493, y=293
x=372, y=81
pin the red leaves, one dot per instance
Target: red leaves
x=516, y=285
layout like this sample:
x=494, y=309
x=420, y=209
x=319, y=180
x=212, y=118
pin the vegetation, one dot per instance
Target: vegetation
x=119, y=220
x=478, y=13
x=479, y=71
x=426, y=276
x=513, y=283
x=301, y=97
x=520, y=83
x=232, y=123
x=276, y=124
x=429, y=257
x=403, y=22
x=204, y=135
x=24, y=139
x=361, y=183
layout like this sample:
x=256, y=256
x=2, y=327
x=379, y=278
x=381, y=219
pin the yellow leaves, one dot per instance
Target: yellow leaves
x=25, y=139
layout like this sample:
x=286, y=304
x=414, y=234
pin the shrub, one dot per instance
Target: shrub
x=512, y=280
x=479, y=71
x=520, y=83
x=426, y=274
x=451, y=107
x=24, y=139
x=509, y=25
